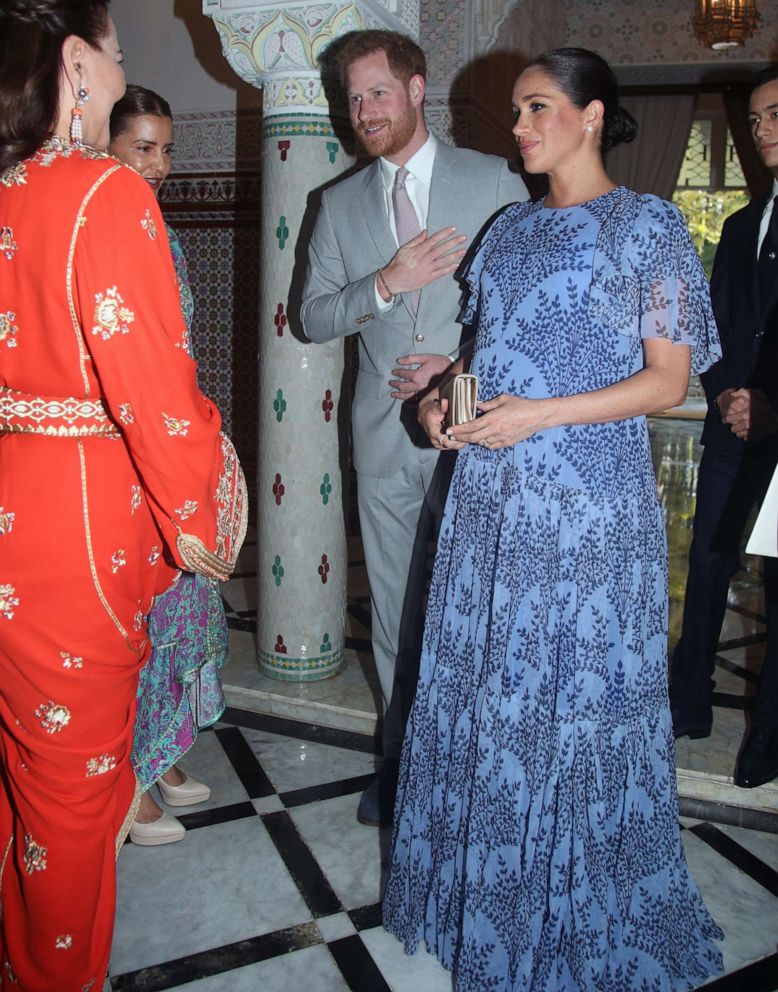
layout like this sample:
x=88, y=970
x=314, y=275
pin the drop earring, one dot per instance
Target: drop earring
x=77, y=115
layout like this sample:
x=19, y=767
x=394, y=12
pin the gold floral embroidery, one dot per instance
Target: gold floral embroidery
x=118, y=560
x=8, y=329
x=138, y=621
x=15, y=176
x=34, y=855
x=53, y=716
x=100, y=765
x=6, y=521
x=10, y=972
x=7, y=244
x=126, y=415
x=50, y=149
x=8, y=601
x=154, y=555
x=231, y=519
x=136, y=498
x=89, y=986
x=148, y=225
x=176, y=427
x=188, y=509
x=111, y=316
x=64, y=942
x=70, y=660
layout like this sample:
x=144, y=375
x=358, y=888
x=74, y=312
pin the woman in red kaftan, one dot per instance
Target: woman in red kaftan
x=113, y=474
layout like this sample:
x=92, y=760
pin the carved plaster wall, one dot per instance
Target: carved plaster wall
x=629, y=33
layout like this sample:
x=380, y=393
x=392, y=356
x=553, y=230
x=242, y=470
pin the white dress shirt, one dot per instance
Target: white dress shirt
x=417, y=184
x=765, y=222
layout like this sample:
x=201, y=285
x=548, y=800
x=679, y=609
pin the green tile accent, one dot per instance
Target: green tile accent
x=299, y=126
x=286, y=669
x=279, y=405
x=282, y=232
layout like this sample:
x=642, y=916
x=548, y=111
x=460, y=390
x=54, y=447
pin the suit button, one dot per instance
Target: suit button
x=419, y=338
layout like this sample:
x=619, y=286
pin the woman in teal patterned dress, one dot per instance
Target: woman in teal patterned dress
x=536, y=839
x=180, y=686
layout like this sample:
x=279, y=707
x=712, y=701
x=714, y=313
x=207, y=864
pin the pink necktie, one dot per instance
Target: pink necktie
x=406, y=221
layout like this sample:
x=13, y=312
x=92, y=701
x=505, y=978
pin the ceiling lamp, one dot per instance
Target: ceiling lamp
x=722, y=24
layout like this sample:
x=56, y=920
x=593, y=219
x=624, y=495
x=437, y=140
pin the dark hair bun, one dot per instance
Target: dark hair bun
x=620, y=128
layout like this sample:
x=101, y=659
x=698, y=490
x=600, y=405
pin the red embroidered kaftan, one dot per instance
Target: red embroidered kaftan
x=112, y=469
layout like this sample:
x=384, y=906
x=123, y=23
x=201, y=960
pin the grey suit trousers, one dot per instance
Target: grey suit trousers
x=389, y=512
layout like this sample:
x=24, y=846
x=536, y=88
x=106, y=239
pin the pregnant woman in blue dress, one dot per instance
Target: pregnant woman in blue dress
x=536, y=842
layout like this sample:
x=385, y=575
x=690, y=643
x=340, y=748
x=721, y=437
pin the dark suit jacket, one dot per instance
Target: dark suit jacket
x=749, y=332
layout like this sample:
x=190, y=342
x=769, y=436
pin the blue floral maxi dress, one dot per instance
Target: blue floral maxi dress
x=179, y=689
x=536, y=841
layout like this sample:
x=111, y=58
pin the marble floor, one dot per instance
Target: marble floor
x=277, y=888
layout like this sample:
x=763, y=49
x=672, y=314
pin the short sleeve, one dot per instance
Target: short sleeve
x=472, y=268
x=648, y=281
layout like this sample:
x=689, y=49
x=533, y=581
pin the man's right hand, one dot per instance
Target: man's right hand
x=422, y=260
x=749, y=415
x=723, y=401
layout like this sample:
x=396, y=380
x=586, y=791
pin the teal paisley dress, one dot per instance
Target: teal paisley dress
x=536, y=845
x=180, y=688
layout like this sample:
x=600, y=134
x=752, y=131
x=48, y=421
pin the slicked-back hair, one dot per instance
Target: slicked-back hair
x=584, y=76
x=32, y=33
x=766, y=75
x=404, y=56
x=137, y=102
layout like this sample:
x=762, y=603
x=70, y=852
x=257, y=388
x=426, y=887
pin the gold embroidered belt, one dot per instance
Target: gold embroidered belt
x=53, y=416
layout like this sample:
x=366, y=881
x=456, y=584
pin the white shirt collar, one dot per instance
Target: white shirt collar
x=419, y=165
x=767, y=213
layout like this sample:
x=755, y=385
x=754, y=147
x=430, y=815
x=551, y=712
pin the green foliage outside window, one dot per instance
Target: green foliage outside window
x=705, y=213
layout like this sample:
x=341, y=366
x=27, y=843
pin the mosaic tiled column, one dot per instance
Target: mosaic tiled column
x=302, y=565
x=301, y=537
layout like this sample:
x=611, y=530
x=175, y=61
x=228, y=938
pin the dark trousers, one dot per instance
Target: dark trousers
x=728, y=486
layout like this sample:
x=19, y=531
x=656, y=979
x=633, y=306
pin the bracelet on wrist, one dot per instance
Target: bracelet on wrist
x=383, y=283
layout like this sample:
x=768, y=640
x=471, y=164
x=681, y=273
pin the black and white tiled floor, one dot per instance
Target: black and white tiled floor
x=276, y=887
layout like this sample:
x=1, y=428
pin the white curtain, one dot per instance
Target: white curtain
x=651, y=163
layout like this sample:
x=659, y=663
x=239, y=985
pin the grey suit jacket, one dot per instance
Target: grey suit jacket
x=350, y=242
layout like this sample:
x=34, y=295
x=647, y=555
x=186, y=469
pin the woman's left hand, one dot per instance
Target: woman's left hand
x=505, y=420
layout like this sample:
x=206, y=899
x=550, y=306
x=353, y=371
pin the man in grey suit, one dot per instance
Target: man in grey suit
x=373, y=270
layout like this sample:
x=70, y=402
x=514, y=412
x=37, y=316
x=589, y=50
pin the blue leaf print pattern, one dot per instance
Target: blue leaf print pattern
x=536, y=843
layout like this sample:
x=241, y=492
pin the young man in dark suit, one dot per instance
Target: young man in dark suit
x=740, y=441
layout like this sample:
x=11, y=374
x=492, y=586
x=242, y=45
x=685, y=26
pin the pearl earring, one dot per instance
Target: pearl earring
x=588, y=128
x=76, y=116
